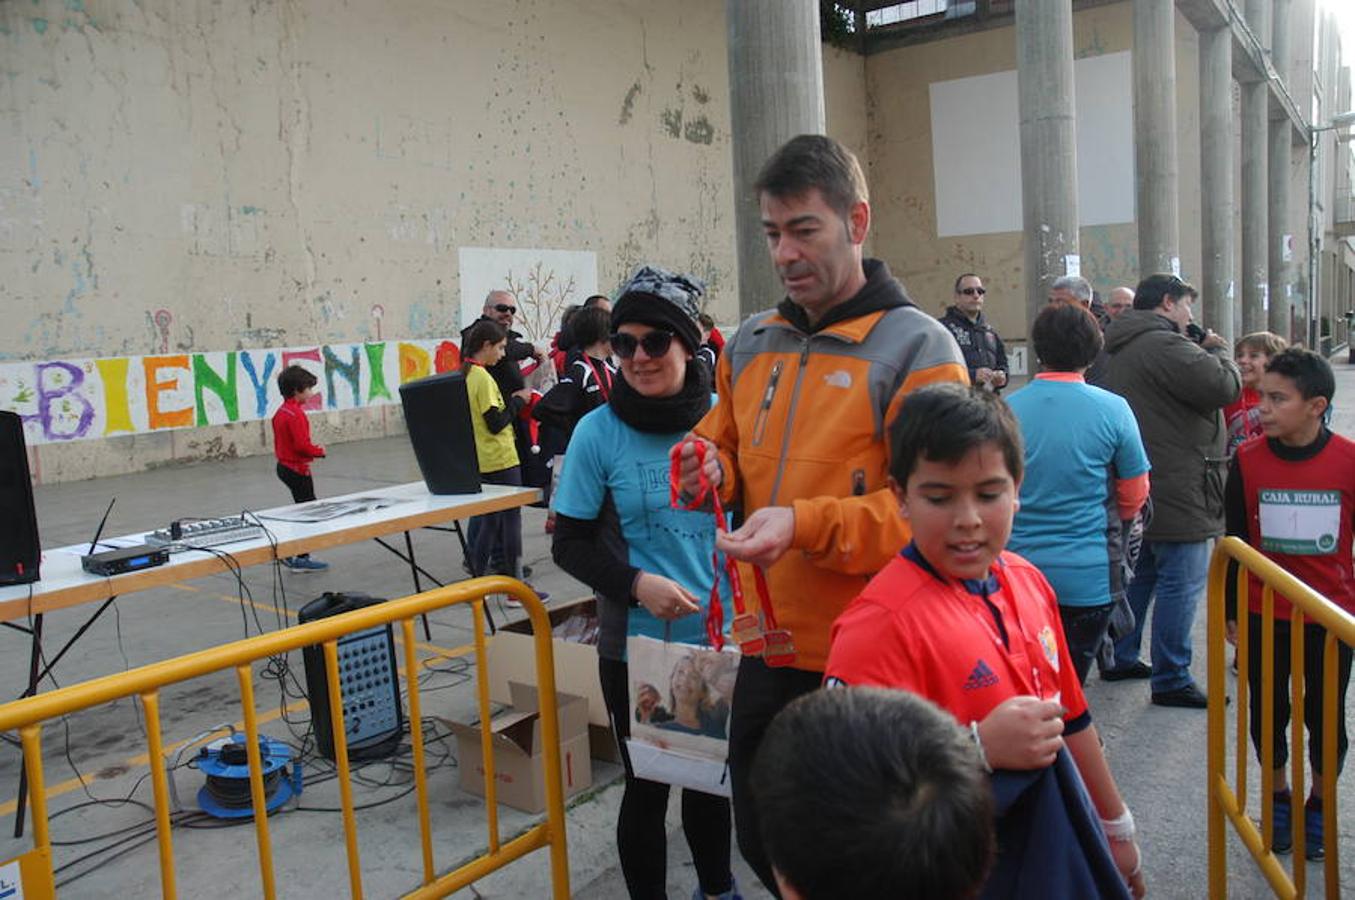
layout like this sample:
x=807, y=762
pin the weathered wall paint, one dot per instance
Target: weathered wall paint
x=180, y=179
x=902, y=184
x=85, y=399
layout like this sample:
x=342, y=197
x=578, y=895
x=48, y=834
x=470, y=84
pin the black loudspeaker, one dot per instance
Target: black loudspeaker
x=369, y=684
x=20, y=552
x=437, y=414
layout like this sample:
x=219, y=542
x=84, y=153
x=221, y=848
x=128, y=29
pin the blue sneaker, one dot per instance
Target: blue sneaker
x=1312, y=829
x=304, y=564
x=731, y=894
x=1282, y=833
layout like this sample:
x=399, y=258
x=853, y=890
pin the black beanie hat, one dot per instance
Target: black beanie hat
x=655, y=296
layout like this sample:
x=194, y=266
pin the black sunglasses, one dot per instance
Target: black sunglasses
x=655, y=343
x=505, y=308
x=973, y=291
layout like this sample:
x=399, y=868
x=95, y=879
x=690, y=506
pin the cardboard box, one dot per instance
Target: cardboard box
x=512, y=658
x=519, y=757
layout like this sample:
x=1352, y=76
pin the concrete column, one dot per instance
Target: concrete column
x=1255, y=215
x=1281, y=233
x=1044, y=69
x=1258, y=20
x=1216, y=180
x=775, y=93
x=1155, y=135
x=1278, y=166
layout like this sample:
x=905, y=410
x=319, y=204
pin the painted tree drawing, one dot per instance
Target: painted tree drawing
x=542, y=295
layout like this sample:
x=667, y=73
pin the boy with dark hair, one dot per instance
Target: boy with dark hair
x=872, y=793
x=1291, y=495
x=293, y=448
x=976, y=630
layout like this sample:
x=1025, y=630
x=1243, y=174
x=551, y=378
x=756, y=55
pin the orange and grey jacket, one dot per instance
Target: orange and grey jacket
x=802, y=422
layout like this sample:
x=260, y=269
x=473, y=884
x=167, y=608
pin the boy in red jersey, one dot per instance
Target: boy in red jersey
x=1292, y=496
x=293, y=448
x=976, y=630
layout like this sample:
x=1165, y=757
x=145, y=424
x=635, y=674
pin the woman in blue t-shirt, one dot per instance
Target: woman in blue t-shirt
x=1086, y=479
x=649, y=563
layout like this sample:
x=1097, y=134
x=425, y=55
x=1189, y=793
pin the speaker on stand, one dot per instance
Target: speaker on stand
x=20, y=552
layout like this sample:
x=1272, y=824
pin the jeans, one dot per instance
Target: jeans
x=1173, y=574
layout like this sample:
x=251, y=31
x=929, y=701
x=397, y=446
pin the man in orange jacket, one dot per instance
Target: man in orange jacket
x=798, y=440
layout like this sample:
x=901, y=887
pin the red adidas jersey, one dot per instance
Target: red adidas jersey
x=916, y=630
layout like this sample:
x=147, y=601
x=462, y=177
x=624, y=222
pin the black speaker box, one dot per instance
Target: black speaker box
x=437, y=414
x=20, y=552
x=369, y=683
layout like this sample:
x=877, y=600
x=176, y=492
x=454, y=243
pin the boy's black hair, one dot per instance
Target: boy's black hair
x=1066, y=337
x=590, y=325
x=293, y=380
x=1155, y=288
x=1311, y=374
x=866, y=792
x=593, y=299
x=484, y=331
x=943, y=422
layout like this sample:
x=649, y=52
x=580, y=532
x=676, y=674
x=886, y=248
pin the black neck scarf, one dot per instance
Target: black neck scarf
x=663, y=415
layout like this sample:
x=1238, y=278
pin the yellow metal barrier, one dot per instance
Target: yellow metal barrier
x=1228, y=802
x=28, y=715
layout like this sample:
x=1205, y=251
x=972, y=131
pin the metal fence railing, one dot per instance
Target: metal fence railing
x=145, y=683
x=1228, y=800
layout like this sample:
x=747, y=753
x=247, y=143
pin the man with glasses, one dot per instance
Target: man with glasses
x=984, y=354
x=798, y=438
x=1177, y=387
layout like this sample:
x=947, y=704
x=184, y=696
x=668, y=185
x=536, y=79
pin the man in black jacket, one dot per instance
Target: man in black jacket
x=984, y=355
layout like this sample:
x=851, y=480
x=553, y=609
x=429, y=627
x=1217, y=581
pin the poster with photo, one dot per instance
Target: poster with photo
x=680, y=701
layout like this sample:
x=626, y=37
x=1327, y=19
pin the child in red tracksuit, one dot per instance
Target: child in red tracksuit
x=293, y=448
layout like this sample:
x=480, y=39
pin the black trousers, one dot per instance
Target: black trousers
x=760, y=693
x=496, y=538
x=1314, y=656
x=1084, y=628
x=301, y=486
x=641, y=836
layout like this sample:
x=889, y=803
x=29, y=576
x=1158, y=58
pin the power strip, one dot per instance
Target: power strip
x=207, y=533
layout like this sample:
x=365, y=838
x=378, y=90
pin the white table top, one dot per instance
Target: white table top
x=64, y=582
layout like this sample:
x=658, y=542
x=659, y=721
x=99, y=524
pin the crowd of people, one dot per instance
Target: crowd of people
x=933, y=571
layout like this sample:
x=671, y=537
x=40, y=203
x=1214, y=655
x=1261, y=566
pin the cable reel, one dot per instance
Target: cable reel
x=226, y=793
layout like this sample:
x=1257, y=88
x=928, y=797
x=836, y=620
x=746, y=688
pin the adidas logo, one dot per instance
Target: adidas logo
x=981, y=677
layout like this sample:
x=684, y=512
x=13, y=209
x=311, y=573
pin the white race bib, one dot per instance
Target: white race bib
x=1302, y=523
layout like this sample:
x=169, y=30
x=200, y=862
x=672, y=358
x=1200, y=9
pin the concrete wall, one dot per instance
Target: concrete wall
x=206, y=177
x=902, y=175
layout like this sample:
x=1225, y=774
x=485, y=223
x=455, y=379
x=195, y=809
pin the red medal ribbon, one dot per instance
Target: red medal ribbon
x=746, y=629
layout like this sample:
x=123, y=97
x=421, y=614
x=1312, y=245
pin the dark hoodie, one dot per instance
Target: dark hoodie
x=882, y=291
x=1177, y=391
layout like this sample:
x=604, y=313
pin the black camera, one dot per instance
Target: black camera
x=1196, y=333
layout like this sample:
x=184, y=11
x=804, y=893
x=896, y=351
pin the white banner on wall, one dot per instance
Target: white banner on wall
x=976, y=148
x=544, y=282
